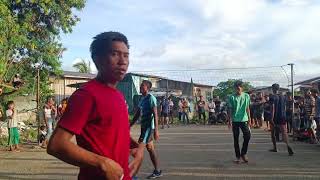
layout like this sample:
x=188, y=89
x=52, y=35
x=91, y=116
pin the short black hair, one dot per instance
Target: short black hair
x=102, y=43
x=9, y=103
x=238, y=84
x=148, y=83
x=49, y=97
x=315, y=91
x=275, y=86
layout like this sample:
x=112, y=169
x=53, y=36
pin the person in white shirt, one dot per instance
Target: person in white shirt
x=211, y=107
x=14, y=138
x=50, y=113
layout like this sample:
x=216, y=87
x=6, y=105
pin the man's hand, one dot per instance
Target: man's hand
x=137, y=153
x=156, y=135
x=229, y=124
x=272, y=122
x=111, y=169
x=249, y=123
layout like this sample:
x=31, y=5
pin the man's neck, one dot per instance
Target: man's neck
x=106, y=82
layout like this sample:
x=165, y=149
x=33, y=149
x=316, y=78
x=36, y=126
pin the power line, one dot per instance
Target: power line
x=211, y=69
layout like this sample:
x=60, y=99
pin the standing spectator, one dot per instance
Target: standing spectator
x=315, y=93
x=97, y=115
x=268, y=112
x=201, y=104
x=185, y=111
x=211, y=107
x=289, y=109
x=296, y=122
x=164, y=112
x=253, y=109
x=13, y=140
x=62, y=108
x=49, y=116
x=258, y=112
x=302, y=112
x=310, y=104
x=279, y=118
x=171, y=106
x=180, y=109
x=239, y=112
x=218, y=105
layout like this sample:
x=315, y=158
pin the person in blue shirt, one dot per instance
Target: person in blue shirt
x=147, y=109
x=278, y=119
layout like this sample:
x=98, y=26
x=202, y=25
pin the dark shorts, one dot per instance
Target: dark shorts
x=258, y=115
x=281, y=121
x=146, y=135
x=317, y=119
x=267, y=119
x=164, y=114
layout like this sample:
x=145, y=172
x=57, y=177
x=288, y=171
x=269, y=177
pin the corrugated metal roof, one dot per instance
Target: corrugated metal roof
x=71, y=74
x=309, y=81
x=164, y=78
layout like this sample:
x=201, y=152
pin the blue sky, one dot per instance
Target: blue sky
x=188, y=34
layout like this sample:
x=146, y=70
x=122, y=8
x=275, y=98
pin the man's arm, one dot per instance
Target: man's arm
x=249, y=117
x=155, y=114
x=137, y=151
x=135, y=117
x=229, y=110
x=272, y=114
x=61, y=147
x=44, y=116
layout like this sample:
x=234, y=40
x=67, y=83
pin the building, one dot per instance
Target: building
x=65, y=84
x=266, y=90
x=68, y=82
x=130, y=87
x=309, y=84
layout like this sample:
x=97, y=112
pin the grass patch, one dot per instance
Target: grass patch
x=3, y=141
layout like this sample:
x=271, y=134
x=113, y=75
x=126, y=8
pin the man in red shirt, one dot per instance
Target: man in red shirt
x=97, y=115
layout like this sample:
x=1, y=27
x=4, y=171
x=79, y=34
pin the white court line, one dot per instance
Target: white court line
x=280, y=175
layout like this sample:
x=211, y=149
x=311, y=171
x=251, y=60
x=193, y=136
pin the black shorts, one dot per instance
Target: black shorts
x=164, y=114
x=146, y=135
x=317, y=119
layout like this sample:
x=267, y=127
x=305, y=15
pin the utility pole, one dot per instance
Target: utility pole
x=37, y=66
x=292, y=89
x=167, y=94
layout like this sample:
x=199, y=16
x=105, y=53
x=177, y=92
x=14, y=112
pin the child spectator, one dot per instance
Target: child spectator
x=13, y=140
x=42, y=138
x=267, y=112
x=296, y=123
x=62, y=108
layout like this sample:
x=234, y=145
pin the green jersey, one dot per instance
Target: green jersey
x=146, y=105
x=238, y=105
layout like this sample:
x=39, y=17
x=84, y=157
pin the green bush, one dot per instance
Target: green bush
x=3, y=141
x=29, y=135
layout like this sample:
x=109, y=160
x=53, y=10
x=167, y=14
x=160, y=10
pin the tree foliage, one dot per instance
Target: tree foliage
x=83, y=66
x=29, y=34
x=226, y=88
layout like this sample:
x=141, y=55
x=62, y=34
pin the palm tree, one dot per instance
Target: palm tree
x=83, y=66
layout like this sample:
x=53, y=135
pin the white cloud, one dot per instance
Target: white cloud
x=210, y=34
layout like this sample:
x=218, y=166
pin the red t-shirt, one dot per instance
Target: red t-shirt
x=98, y=115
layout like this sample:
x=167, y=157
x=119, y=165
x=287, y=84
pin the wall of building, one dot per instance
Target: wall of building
x=59, y=86
x=185, y=87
